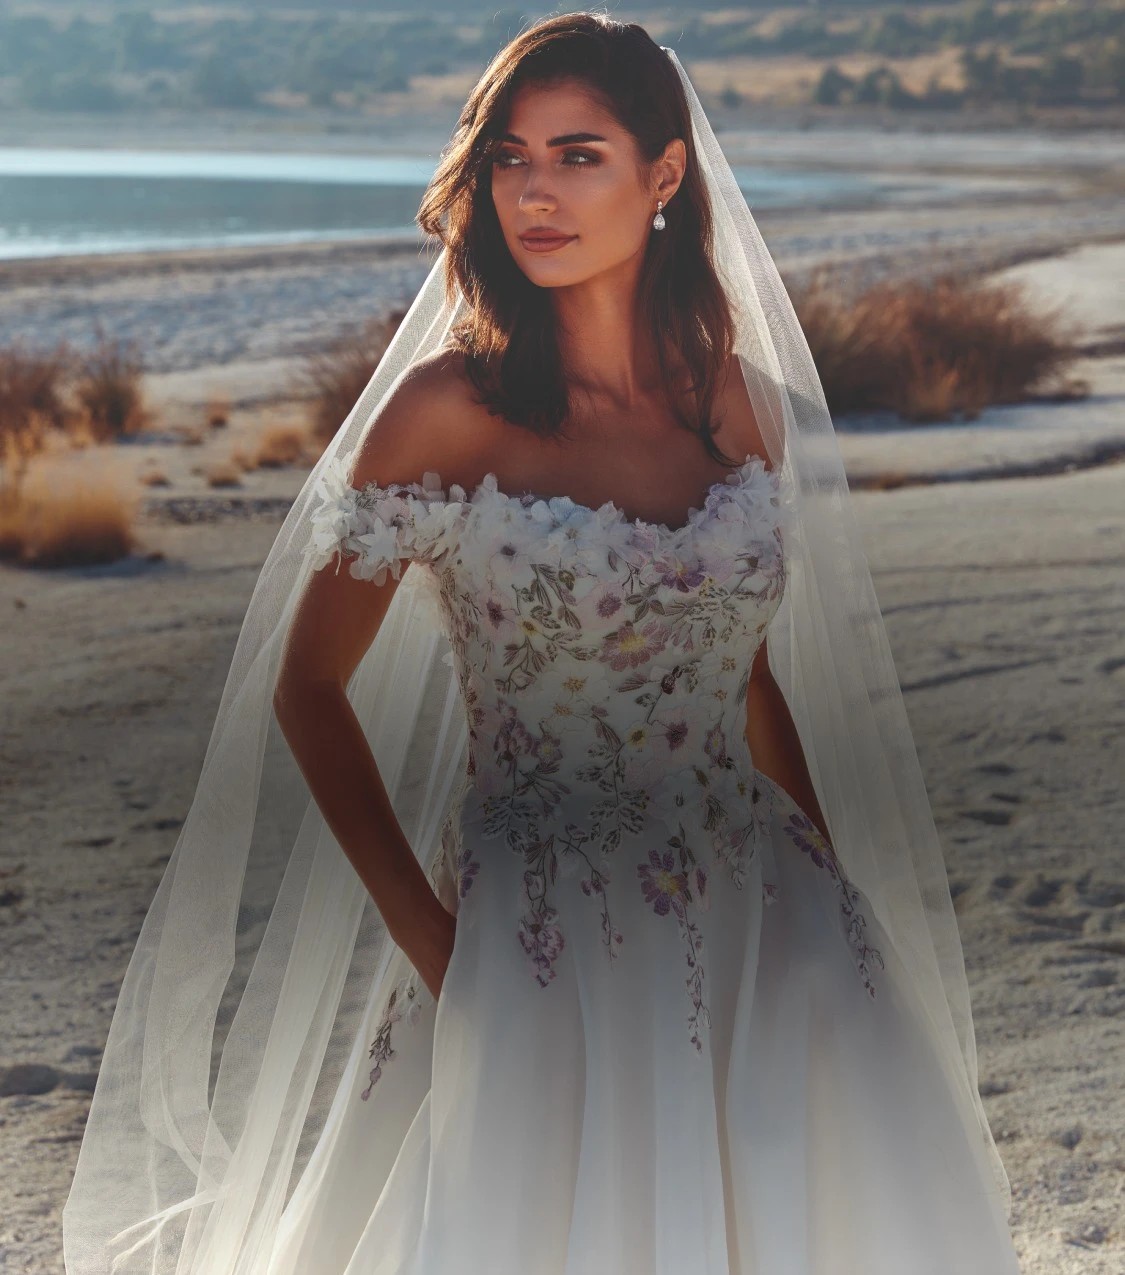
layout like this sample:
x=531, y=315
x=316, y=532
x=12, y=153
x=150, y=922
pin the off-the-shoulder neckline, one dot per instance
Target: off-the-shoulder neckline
x=734, y=479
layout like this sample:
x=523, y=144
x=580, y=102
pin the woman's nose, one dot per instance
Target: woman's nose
x=536, y=193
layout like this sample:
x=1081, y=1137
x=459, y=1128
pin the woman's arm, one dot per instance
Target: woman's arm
x=333, y=626
x=335, y=621
x=774, y=743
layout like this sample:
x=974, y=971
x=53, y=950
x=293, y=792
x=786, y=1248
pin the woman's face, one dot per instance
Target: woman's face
x=567, y=167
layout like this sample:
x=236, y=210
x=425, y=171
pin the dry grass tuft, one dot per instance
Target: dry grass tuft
x=31, y=384
x=70, y=509
x=218, y=411
x=223, y=474
x=65, y=498
x=333, y=379
x=281, y=445
x=108, y=390
x=33, y=404
x=281, y=438
x=62, y=395
x=889, y=481
x=930, y=352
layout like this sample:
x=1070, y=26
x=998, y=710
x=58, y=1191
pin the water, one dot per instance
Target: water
x=55, y=200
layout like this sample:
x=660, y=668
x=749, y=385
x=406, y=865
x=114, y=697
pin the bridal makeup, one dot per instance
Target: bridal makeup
x=566, y=186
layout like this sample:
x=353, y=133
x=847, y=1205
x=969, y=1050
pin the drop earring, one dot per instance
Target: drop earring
x=658, y=220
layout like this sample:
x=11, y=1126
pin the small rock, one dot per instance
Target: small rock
x=990, y=1088
x=81, y=1051
x=27, y=1078
x=82, y=1081
x=1070, y=1138
x=1100, y=977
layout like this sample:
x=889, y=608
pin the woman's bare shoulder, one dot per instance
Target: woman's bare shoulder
x=741, y=428
x=429, y=422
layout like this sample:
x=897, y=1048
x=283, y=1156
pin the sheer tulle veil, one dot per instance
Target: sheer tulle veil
x=239, y=1019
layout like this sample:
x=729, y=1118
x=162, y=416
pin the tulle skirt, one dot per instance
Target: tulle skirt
x=742, y=1088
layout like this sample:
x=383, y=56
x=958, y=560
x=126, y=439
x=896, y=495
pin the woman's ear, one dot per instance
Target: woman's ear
x=669, y=169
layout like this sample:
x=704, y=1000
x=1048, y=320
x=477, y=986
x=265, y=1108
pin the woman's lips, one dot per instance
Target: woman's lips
x=543, y=244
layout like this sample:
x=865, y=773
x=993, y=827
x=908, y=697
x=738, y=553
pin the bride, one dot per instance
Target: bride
x=561, y=892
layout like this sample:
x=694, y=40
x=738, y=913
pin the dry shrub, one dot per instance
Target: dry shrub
x=61, y=397
x=245, y=459
x=32, y=382
x=275, y=443
x=281, y=445
x=218, y=411
x=889, y=481
x=33, y=404
x=108, y=390
x=223, y=474
x=332, y=379
x=9, y=523
x=931, y=351
x=70, y=509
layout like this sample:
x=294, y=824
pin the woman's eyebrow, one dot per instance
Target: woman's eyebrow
x=564, y=139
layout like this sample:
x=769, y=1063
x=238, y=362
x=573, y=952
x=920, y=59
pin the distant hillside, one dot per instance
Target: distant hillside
x=902, y=56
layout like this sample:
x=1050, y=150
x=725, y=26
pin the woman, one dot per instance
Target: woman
x=569, y=968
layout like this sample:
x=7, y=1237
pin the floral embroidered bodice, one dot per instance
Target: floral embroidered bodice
x=604, y=664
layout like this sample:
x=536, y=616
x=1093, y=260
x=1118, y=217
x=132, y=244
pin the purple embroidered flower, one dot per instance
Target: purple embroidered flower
x=630, y=646
x=674, y=573
x=466, y=869
x=543, y=941
x=676, y=731
x=665, y=888
x=809, y=838
x=513, y=739
x=401, y=1004
x=548, y=751
x=500, y=618
x=607, y=600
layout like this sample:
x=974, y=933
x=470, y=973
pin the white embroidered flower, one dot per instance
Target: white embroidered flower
x=634, y=544
x=677, y=792
x=378, y=549
x=563, y=539
x=436, y=526
x=333, y=518
x=332, y=482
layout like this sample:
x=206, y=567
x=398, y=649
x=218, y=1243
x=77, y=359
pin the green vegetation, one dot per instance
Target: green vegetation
x=116, y=58
x=60, y=59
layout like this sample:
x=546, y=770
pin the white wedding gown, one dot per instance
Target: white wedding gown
x=673, y=1039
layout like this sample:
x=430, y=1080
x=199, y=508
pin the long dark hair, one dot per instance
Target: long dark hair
x=508, y=338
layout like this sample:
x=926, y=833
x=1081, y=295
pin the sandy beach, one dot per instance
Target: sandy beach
x=999, y=563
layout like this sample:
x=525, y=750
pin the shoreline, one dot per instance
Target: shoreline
x=200, y=348
x=337, y=282
x=906, y=171
x=234, y=322
x=427, y=122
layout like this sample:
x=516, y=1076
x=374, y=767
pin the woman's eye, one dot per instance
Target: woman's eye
x=572, y=159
